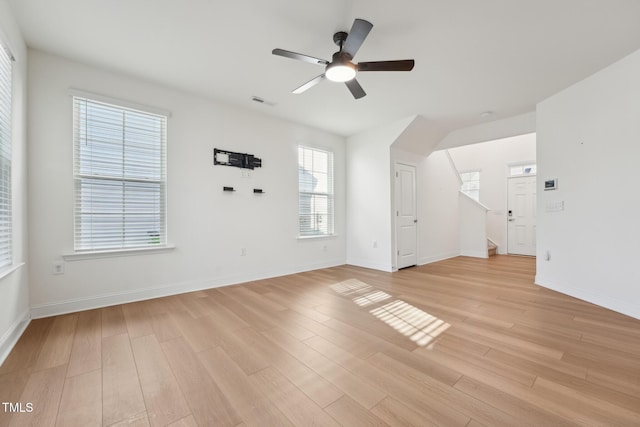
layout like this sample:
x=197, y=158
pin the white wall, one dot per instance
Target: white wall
x=438, y=209
x=438, y=205
x=369, y=196
x=208, y=227
x=589, y=138
x=492, y=158
x=14, y=290
x=490, y=131
x=473, y=227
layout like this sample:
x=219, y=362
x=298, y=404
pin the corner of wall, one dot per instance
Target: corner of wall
x=587, y=139
x=11, y=336
x=14, y=286
x=369, y=196
x=490, y=131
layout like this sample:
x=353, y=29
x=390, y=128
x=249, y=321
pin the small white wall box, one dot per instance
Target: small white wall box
x=551, y=184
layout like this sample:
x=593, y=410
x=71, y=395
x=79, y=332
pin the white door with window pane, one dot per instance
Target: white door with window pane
x=521, y=216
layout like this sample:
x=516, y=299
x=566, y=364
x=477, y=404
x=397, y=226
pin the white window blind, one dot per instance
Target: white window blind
x=120, y=176
x=315, y=188
x=6, y=252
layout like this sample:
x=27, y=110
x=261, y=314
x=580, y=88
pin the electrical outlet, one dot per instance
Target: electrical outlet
x=58, y=267
x=375, y=243
x=243, y=251
x=324, y=248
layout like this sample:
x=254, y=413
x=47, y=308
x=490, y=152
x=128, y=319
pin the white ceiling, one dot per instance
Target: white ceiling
x=471, y=55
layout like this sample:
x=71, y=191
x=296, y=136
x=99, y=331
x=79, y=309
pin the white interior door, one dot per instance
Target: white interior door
x=521, y=216
x=406, y=216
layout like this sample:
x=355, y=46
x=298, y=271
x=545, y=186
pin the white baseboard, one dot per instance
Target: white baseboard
x=475, y=254
x=367, y=264
x=623, y=307
x=13, y=334
x=436, y=258
x=105, y=300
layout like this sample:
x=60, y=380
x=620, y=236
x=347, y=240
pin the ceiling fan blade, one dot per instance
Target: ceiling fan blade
x=308, y=85
x=359, y=32
x=355, y=88
x=299, y=56
x=401, y=65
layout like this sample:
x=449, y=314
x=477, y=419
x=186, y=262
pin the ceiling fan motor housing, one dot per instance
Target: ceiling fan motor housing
x=339, y=38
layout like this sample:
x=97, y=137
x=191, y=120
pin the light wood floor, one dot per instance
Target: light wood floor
x=463, y=342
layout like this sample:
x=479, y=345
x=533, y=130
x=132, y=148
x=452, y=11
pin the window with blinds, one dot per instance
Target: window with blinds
x=6, y=252
x=315, y=189
x=120, y=176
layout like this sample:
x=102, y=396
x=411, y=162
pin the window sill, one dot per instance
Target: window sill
x=10, y=269
x=320, y=236
x=78, y=256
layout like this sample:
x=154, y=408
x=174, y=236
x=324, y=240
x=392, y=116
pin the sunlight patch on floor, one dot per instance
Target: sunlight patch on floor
x=349, y=287
x=420, y=326
x=371, y=298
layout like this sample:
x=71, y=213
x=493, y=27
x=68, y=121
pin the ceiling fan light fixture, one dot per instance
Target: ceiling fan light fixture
x=340, y=71
x=341, y=68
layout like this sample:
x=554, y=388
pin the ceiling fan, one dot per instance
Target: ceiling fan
x=341, y=68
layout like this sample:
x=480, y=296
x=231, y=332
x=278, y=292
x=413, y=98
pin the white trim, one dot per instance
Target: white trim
x=123, y=297
x=367, y=264
x=5, y=45
x=331, y=195
x=523, y=163
x=621, y=306
x=524, y=175
x=13, y=334
x=4, y=273
x=454, y=167
x=437, y=258
x=7, y=50
x=480, y=205
x=119, y=102
x=317, y=237
x=77, y=256
x=474, y=254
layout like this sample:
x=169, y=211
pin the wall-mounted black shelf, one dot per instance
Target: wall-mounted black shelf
x=228, y=189
x=258, y=191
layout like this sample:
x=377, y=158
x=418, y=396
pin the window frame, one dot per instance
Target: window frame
x=123, y=249
x=532, y=165
x=462, y=189
x=7, y=261
x=329, y=194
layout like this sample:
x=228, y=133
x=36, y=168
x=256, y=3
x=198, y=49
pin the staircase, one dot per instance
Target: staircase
x=492, y=249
